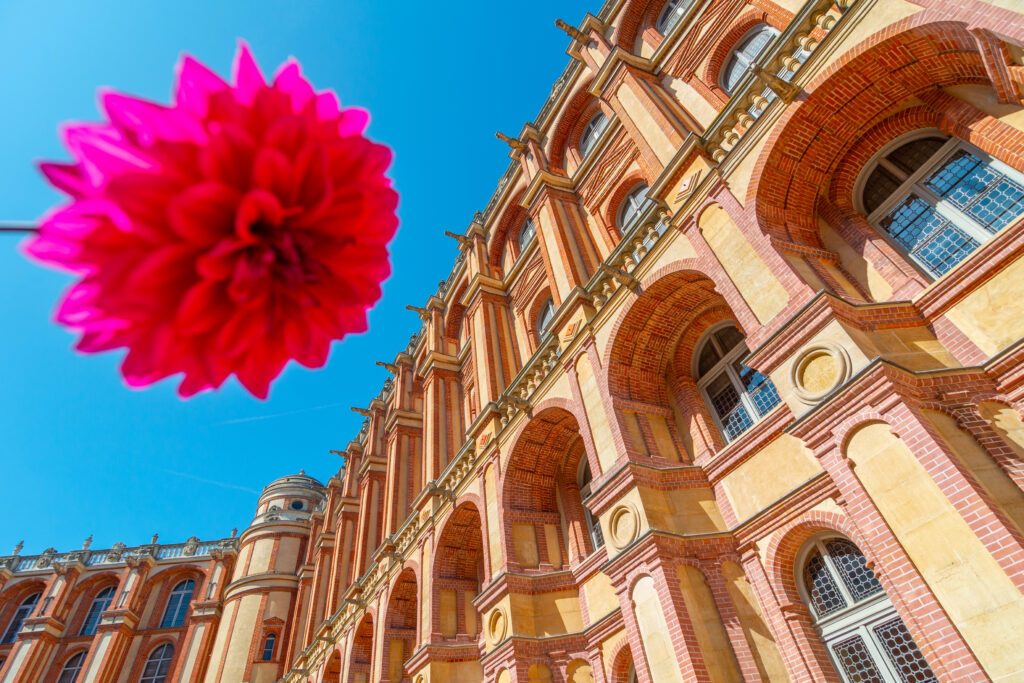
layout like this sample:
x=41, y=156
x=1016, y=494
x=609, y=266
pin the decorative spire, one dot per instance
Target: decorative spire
x=87, y=543
x=573, y=32
x=302, y=473
x=155, y=538
x=234, y=532
x=18, y=548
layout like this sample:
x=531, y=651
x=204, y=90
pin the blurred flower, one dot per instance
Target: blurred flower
x=239, y=228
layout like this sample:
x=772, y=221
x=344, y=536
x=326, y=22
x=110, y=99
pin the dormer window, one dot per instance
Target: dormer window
x=592, y=133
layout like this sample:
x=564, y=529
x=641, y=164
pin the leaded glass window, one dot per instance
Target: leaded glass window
x=939, y=199
x=739, y=396
x=866, y=638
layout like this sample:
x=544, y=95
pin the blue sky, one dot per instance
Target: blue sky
x=80, y=453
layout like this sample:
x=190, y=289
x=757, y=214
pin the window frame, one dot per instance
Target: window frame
x=678, y=7
x=19, y=618
x=547, y=310
x=584, y=482
x=914, y=183
x=71, y=675
x=735, y=53
x=182, y=606
x=626, y=226
x=856, y=618
x=527, y=227
x=157, y=677
x=269, y=637
x=592, y=132
x=724, y=365
x=94, y=613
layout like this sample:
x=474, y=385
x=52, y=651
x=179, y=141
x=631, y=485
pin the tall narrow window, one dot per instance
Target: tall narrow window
x=938, y=199
x=745, y=54
x=268, y=647
x=177, y=604
x=72, y=667
x=544, y=318
x=158, y=664
x=631, y=208
x=738, y=395
x=584, y=479
x=865, y=637
x=592, y=133
x=671, y=15
x=100, y=604
x=20, y=615
x=526, y=235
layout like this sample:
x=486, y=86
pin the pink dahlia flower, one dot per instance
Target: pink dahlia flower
x=243, y=226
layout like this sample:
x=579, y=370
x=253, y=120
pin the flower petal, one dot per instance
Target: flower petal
x=204, y=213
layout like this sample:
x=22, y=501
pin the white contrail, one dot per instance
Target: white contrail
x=212, y=482
x=257, y=418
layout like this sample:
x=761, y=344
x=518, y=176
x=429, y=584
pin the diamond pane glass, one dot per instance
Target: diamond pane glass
x=977, y=188
x=903, y=652
x=879, y=187
x=913, y=155
x=759, y=387
x=730, y=411
x=853, y=569
x=824, y=592
x=856, y=661
x=934, y=242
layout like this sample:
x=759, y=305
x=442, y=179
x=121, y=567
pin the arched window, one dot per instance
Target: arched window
x=72, y=667
x=158, y=664
x=100, y=604
x=938, y=199
x=865, y=636
x=268, y=647
x=547, y=312
x=20, y=615
x=584, y=479
x=177, y=604
x=631, y=208
x=671, y=15
x=739, y=396
x=526, y=235
x=743, y=56
x=592, y=132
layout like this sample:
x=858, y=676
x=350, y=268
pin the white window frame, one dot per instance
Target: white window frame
x=182, y=608
x=743, y=58
x=631, y=206
x=547, y=310
x=527, y=226
x=678, y=8
x=856, y=619
x=725, y=365
x=157, y=677
x=72, y=668
x=23, y=612
x=97, y=600
x=914, y=184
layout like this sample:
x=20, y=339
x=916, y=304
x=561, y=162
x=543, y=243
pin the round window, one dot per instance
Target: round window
x=297, y=505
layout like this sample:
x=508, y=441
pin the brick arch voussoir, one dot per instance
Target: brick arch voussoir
x=568, y=124
x=633, y=19
x=785, y=547
x=626, y=185
x=788, y=177
x=507, y=226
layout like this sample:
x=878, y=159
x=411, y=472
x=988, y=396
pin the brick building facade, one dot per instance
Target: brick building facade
x=725, y=384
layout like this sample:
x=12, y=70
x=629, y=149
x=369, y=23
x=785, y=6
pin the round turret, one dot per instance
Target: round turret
x=291, y=498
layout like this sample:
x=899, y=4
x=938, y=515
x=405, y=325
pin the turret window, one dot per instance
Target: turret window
x=592, y=133
x=158, y=665
x=100, y=604
x=177, y=604
x=23, y=612
x=72, y=667
x=939, y=199
x=745, y=54
x=865, y=637
x=268, y=647
x=739, y=396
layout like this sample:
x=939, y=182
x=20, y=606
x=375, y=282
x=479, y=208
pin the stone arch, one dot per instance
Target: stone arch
x=621, y=663
x=80, y=600
x=360, y=662
x=157, y=589
x=626, y=184
x=724, y=47
x=12, y=596
x=579, y=671
x=400, y=627
x=541, y=495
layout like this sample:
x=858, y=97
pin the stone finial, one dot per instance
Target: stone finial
x=18, y=548
x=87, y=543
x=234, y=532
x=572, y=31
x=156, y=537
x=302, y=473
